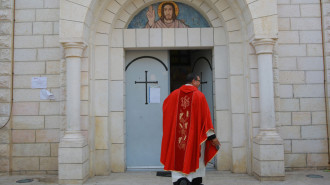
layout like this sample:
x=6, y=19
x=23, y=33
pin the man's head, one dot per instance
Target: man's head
x=193, y=79
x=168, y=12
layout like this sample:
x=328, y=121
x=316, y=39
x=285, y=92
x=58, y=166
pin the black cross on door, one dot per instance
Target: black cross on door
x=146, y=82
x=201, y=78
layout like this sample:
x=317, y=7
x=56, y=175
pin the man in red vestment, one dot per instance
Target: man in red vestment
x=189, y=141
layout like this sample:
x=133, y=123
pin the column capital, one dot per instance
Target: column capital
x=73, y=49
x=263, y=46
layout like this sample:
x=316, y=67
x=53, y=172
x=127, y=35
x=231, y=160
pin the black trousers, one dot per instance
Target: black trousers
x=195, y=181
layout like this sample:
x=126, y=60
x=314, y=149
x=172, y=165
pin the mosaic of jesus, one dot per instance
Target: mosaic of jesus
x=168, y=14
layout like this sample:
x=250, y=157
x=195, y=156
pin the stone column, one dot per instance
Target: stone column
x=268, y=150
x=73, y=148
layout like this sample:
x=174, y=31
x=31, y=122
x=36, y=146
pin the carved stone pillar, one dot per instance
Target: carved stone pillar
x=73, y=148
x=268, y=149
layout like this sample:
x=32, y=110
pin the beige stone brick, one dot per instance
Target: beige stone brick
x=292, y=50
x=49, y=54
x=28, y=122
x=49, y=108
x=42, y=28
x=312, y=104
x=4, y=95
x=255, y=106
x=25, y=163
x=5, y=54
x=4, y=81
x=23, y=28
x=287, y=146
x=25, y=55
x=310, y=36
x=239, y=155
x=23, y=136
x=54, y=149
x=236, y=60
x=4, y=165
x=48, y=163
x=287, y=37
x=315, y=77
x=314, y=132
x=301, y=118
x=317, y=160
x=52, y=67
x=5, y=68
x=25, y=15
x=284, y=118
x=25, y=108
x=292, y=77
x=314, y=50
x=308, y=91
x=224, y=160
x=310, y=10
x=237, y=96
x=286, y=91
x=43, y=136
x=84, y=91
x=47, y=14
x=295, y=160
x=284, y=24
x=51, y=41
x=129, y=38
x=239, y=134
x=4, y=150
x=101, y=133
x=4, y=136
x=102, y=162
x=318, y=118
x=51, y=3
x=289, y=105
x=30, y=68
x=309, y=146
x=305, y=24
x=290, y=132
x=27, y=94
x=4, y=109
x=102, y=58
x=56, y=28
x=117, y=158
x=29, y=41
x=26, y=150
x=288, y=11
x=194, y=37
x=310, y=63
x=168, y=37
x=27, y=4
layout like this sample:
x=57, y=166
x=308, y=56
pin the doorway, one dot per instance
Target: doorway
x=150, y=77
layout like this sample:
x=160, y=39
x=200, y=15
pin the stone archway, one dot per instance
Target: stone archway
x=101, y=26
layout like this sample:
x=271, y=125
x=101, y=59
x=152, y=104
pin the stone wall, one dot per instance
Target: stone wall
x=301, y=111
x=5, y=82
x=36, y=123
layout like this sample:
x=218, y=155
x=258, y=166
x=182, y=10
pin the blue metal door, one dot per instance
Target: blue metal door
x=202, y=66
x=147, y=86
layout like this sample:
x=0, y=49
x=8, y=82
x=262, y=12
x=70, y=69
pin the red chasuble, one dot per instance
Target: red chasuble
x=186, y=120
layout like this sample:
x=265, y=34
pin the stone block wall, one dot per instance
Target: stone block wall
x=301, y=111
x=5, y=82
x=36, y=123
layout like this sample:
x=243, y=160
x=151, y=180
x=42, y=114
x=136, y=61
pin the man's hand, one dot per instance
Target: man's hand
x=151, y=16
x=215, y=142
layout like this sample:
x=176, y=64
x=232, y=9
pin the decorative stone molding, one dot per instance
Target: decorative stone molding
x=73, y=49
x=264, y=46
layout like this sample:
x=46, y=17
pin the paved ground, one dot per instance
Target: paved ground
x=150, y=178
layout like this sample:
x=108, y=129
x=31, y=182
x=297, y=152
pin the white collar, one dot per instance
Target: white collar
x=189, y=84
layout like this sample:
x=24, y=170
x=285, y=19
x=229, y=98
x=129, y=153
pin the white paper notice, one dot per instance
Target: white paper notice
x=39, y=82
x=154, y=95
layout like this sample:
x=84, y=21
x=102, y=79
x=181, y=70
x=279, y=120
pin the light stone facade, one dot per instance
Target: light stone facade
x=269, y=97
